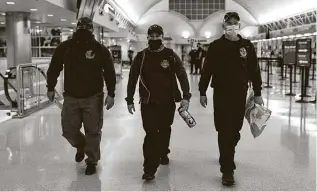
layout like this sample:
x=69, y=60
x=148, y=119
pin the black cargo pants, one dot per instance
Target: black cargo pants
x=87, y=111
x=157, y=120
x=229, y=109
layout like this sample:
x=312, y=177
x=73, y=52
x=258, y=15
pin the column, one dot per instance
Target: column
x=18, y=36
x=97, y=33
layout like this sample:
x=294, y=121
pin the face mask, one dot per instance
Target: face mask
x=232, y=30
x=155, y=44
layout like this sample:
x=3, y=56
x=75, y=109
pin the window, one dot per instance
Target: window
x=196, y=9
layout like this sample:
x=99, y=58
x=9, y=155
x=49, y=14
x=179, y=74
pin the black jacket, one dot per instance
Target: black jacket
x=87, y=65
x=231, y=65
x=177, y=70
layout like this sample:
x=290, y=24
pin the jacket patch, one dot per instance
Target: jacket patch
x=165, y=64
x=243, y=52
x=90, y=55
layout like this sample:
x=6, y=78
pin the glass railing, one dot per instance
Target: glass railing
x=31, y=88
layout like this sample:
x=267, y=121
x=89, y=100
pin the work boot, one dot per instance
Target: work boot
x=90, y=169
x=148, y=176
x=227, y=179
x=165, y=160
x=80, y=155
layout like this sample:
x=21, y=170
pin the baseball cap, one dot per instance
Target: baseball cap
x=155, y=29
x=85, y=23
x=230, y=15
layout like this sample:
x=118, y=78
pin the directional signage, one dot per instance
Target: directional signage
x=289, y=52
x=303, y=52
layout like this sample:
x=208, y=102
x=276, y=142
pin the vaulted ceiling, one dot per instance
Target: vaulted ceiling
x=263, y=10
x=200, y=16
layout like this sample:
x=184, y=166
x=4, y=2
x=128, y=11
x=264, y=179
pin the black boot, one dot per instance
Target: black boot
x=80, y=155
x=148, y=176
x=227, y=179
x=90, y=169
x=165, y=160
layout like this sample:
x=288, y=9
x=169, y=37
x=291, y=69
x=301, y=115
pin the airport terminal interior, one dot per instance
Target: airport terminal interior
x=34, y=156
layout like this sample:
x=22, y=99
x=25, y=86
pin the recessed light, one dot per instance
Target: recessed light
x=50, y=15
x=38, y=22
x=74, y=23
x=3, y=13
x=2, y=23
x=33, y=9
x=63, y=19
x=10, y=2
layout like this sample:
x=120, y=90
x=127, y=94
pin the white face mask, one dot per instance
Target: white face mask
x=232, y=30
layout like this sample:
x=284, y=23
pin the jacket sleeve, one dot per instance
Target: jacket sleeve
x=133, y=77
x=208, y=69
x=182, y=77
x=254, y=71
x=109, y=72
x=55, y=68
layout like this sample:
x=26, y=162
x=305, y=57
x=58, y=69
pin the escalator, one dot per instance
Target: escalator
x=9, y=89
x=32, y=91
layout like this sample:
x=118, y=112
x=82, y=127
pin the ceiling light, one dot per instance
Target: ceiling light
x=50, y=15
x=2, y=23
x=63, y=19
x=185, y=34
x=207, y=34
x=3, y=14
x=38, y=22
x=33, y=9
x=71, y=30
x=307, y=34
x=74, y=23
x=10, y=2
x=299, y=35
x=314, y=33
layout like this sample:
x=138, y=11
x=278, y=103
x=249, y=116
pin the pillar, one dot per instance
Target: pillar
x=18, y=36
x=97, y=33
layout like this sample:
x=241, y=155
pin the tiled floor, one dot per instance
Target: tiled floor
x=34, y=156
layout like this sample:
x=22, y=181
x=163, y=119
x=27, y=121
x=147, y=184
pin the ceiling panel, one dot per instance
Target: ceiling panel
x=266, y=11
x=135, y=8
x=44, y=8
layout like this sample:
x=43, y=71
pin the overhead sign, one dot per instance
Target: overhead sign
x=303, y=52
x=197, y=41
x=289, y=52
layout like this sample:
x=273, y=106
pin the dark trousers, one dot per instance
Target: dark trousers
x=157, y=120
x=87, y=111
x=192, y=65
x=198, y=67
x=229, y=109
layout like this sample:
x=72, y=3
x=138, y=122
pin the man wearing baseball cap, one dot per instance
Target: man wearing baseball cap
x=87, y=63
x=157, y=67
x=232, y=63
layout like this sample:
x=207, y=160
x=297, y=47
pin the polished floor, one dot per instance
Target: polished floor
x=34, y=155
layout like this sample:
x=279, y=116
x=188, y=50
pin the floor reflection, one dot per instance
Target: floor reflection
x=85, y=183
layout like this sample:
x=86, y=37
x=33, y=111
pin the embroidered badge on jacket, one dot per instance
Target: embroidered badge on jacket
x=90, y=54
x=243, y=52
x=165, y=64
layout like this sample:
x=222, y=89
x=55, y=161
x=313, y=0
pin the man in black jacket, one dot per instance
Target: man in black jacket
x=158, y=68
x=232, y=63
x=87, y=65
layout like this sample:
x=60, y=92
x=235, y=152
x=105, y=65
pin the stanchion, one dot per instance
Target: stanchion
x=307, y=77
x=268, y=75
x=282, y=71
x=314, y=69
x=303, y=90
x=295, y=75
x=290, y=82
